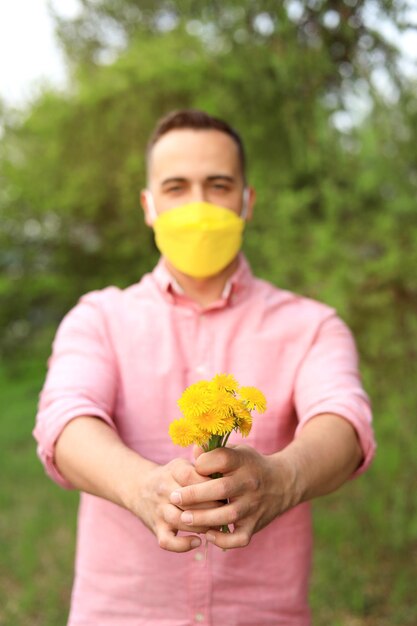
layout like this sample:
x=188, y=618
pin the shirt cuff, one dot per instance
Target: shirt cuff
x=47, y=436
x=360, y=422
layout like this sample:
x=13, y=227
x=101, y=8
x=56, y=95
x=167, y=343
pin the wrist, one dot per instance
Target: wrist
x=289, y=478
x=135, y=476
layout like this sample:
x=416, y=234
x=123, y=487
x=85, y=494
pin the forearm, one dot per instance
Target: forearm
x=93, y=458
x=321, y=458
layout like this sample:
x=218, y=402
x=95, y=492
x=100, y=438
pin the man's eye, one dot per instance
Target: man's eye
x=173, y=189
x=220, y=187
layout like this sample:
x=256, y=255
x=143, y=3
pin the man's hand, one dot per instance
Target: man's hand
x=161, y=516
x=258, y=488
x=109, y=469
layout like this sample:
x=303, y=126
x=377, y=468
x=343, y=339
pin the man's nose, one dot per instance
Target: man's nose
x=198, y=194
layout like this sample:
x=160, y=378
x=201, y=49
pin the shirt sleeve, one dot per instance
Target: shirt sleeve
x=81, y=379
x=328, y=381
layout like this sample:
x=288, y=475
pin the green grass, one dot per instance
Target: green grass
x=366, y=533
x=37, y=525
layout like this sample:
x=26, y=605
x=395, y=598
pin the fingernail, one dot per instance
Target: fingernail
x=187, y=518
x=175, y=497
x=195, y=542
x=210, y=537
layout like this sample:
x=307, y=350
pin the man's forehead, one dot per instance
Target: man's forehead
x=183, y=151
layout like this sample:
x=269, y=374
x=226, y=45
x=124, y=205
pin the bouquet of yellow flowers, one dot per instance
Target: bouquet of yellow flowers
x=213, y=409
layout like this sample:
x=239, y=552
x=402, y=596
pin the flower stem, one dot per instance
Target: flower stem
x=217, y=441
x=226, y=439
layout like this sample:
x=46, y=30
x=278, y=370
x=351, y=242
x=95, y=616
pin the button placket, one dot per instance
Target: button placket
x=200, y=583
x=200, y=586
x=202, y=348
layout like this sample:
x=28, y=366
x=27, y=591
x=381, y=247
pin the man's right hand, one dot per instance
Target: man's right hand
x=93, y=458
x=153, y=507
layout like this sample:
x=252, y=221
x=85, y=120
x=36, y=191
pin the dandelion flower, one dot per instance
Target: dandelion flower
x=222, y=403
x=228, y=424
x=227, y=382
x=183, y=432
x=195, y=400
x=210, y=422
x=213, y=410
x=243, y=420
x=253, y=399
x=202, y=437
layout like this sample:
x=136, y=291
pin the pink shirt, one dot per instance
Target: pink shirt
x=125, y=356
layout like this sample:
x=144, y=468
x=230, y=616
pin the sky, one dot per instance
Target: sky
x=28, y=51
x=30, y=56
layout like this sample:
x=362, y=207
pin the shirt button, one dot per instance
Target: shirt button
x=199, y=617
x=199, y=556
x=200, y=369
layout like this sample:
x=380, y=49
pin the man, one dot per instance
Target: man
x=120, y=362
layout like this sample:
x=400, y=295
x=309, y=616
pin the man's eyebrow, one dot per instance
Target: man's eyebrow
x=173, y=179
x=229, y=179
x=182, y=179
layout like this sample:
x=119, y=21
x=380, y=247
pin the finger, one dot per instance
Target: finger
x=227, y=514
x=220, y=460
x=206, y=505
x=172, y=516
x=212, y=490
x=231, y=513
x=197, y=451
x=239, y=538
x=169, y=540
x=186, y=474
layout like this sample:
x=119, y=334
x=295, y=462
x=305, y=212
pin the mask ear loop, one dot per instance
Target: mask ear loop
x=245, y=204
x=151, y=204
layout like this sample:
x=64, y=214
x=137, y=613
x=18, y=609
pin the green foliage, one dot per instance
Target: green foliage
x=72, y=164
x=37, y=524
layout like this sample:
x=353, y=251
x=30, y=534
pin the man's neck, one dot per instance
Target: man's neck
x=204, y=291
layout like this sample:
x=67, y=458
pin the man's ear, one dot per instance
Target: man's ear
x=251, y=202
x=145, y=200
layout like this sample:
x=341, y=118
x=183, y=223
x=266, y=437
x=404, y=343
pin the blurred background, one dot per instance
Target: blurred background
x=324, y=95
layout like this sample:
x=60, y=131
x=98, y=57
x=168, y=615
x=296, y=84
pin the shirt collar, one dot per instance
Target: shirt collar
x=235, y=288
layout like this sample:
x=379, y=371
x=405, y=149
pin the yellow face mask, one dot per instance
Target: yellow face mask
x=199, y=239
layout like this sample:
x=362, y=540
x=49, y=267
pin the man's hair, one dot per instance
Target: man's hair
x=197, y=120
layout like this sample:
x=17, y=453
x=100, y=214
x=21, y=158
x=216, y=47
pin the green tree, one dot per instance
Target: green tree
x=72, y=163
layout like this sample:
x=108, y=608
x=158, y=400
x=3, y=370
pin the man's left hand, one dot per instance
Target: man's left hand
x=257, y=488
